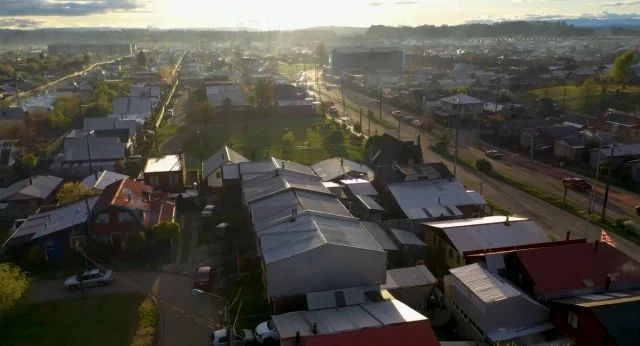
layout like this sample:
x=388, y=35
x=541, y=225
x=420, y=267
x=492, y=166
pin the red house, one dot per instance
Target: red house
x=127, y=206
x=166, y=173
x=608, y=319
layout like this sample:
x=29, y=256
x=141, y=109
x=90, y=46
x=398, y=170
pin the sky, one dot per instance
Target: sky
x=296, y=14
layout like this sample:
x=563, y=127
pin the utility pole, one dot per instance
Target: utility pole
x=455, y=152
x=361, y=124
x=592, y=192
x=380, y=101
x=399, y=122
x=344, y=107
x=369, y=126
x=606, y=190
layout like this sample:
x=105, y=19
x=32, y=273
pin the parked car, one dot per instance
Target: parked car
x=208, y=210
x=242, y=337
x=494, y=154
x=577, y=184
x=267, y=333
x=90, y=278
x=204, y=279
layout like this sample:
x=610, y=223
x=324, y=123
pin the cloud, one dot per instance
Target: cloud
x=604, y=15
x=19, y=23
x=65, y=7
x=620, y=3
x=401, y=2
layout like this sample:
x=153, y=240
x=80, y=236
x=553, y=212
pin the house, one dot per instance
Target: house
x=212, y=168
x=608, y=318
x=85, y=154
x=547, y=135
x=425, y=191
x=569, y=148
x=489, y=309
x=127, y=207
x=99, y=180
x=618, y=154
x=167, y=173
x=462, y=104
x=12, y=114
x=386, y=322
x=337, y=168
x=411, y=285
x=292, y=100
x=25, y=196
x=450, y=241
x=511, y=130
x=385, y=150
x=123, y=136
x=142, y=90
x=110, y=124
x=132, y=106
x=54, y=231
x=226, y=95
x=625, y=126
x=571, y=270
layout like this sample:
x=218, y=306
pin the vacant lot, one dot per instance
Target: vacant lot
x=117, y=320
x=303, y=139
x=579, y=100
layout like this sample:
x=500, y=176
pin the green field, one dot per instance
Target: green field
x=122, y=320
x=303, y=139
x=578, y=100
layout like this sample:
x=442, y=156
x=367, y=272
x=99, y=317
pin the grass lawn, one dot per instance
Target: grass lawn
x=290, y=70
x=580, y=101
x=117, y=320
x=304, y=139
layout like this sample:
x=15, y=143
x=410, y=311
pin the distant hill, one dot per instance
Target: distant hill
x=342, y=30
x=600, y=23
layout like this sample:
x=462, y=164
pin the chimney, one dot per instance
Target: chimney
x=595, y=246
x=314, y=328
x=507, y=222
x=293, y=215
x=607, y=283
x=568, y=236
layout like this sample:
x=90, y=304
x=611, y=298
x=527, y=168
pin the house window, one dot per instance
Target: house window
x=572, y=320
x=102, y=218
x=125, y=216
x=154, y=180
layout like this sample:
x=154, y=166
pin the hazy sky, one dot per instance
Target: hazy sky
x=291, y=14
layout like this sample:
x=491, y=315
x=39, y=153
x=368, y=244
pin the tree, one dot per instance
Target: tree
x=262, y=93
x=323, y=108
x=458, y=90
x=27, y=162
x=288, y=138
x=589, y=85
x=86, y=60
x=547, y=105
x=135, y=242
x=321, y=54
x=621, y=70
x=14, y=284
x=73, y=191
x=67, y=106
x=483, y=165
x=443, y=141
x=166, y=74
x=141, y=59
x=166, y=231
x=7, y=70
x=202, y=113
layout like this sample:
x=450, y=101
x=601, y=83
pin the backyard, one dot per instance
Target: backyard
x=580, y=100
x=99, y=320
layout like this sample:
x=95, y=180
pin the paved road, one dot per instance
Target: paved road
x=184, y=319
x=553, y=220
x=174, y=143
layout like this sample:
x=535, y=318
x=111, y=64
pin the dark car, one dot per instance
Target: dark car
x=576, y=184
x=204, y=279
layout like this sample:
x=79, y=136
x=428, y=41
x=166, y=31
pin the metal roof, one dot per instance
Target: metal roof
x=336, y=167
x=292, y=166
x=132, y=105
x=347, y=318
x=37, y=187
x=255, y=167
x=166, y=163
x=406, y=237
x=335, y=298
x=621, y=320
x=409, y=277
x=102, y=148
x=54, y=220
x=424, y=199
x=100, y=180
x=369, y=203
x=379, y=234
x=486, y=286
x=110, y=123
x=219, y=158
x=462, y=99
x=490, y=234
x=360, y=187
x=272, y=182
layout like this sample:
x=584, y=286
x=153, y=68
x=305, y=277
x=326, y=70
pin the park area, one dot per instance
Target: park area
x=303, y=139
x=588, y=99
x=129, y=320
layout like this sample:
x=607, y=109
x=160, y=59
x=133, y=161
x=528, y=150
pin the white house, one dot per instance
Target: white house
x=212, y=167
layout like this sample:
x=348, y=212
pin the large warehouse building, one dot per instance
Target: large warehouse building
x=363, y=59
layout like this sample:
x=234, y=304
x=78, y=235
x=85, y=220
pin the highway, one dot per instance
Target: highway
x=555, y=221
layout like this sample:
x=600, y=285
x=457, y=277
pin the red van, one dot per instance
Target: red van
x=204, y=279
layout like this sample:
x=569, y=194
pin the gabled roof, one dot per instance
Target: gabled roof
x=166, y=163
x=126, y=193
x=100, y=180
x=220, y=158
x=273, y=182
x=37, y=187
x=292, y=166
x=360, y=187
x=558, y=131
x=51, y=221
x=406, y=238
x=217, y=94
x=462, y=99
x=484, y=285
x=110, y=123
x=386, y=149
x=132, y=105
x=11, y=113
x=336, y=167
x=145, y=91
x=621, y=319
x=409, y=277
x=490, y=232
x=579, y=266
x=102, y=149
x=380, y=235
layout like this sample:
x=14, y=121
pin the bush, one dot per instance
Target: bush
x=14, y=283
x=483, y=165
x=166, y=231
x=357, y=127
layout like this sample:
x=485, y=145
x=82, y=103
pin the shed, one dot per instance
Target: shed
x=411, y=285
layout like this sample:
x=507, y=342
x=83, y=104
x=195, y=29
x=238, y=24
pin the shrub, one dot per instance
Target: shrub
x=166, y=231
x=483, y=165
x=357, y=127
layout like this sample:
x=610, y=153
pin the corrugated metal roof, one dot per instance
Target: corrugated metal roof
x=100, y=180
x=102, y=148
x=278, y=246
x=468, y=235
x=621, y=321
x=335, y=298
x=406, y=237
x=336, y=167
x=433, y=195
x=461, y=99
x=379, y=234
x=272, y=182
x=292, y=166
x=255, y=167
x=360, y=187
x=409, y=277
x=221, y=157
x=369, y=203
x=167, y=163
x=487, y=287
x=38, y=187
x=392, y=311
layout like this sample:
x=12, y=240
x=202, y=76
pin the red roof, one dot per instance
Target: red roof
x=565, y=268
x=410, y=333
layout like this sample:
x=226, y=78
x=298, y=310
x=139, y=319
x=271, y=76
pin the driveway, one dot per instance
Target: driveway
x=184, y=319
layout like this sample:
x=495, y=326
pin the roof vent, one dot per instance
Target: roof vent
x=314, y=328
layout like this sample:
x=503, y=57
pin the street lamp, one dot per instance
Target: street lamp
x=230, y=334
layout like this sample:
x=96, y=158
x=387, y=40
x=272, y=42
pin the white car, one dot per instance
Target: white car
x=93, y=277
x=208, y=210
x=267, y=333
x=243, y=337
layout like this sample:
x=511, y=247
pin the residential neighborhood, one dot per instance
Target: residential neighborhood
x=374, y=186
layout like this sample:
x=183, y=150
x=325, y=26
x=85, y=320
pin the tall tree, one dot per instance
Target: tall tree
x=621, y=71
x=14, y=284
x=73, y=191
x=262, y=93
x=202, y=113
